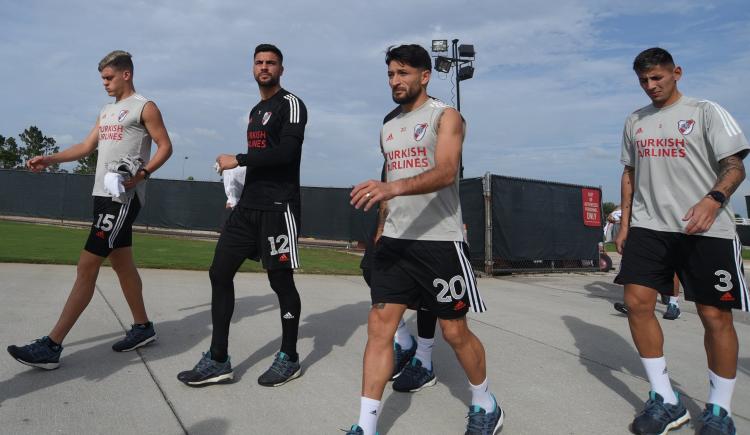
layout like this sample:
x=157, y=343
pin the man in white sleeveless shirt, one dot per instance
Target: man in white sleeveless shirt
x=420, y=258
x=683, y=159
x=123, y=129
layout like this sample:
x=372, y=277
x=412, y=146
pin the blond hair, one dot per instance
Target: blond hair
x=118, y=59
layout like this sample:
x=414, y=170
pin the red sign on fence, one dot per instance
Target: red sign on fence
x=591, y=208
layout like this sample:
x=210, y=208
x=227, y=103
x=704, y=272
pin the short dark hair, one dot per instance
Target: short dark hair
x=652, y=57
x=119, y=60
x=269, y=47
x=413, y=55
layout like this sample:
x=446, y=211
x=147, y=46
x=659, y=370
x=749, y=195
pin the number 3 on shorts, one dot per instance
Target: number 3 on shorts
x=445, y=287
x=725, y=281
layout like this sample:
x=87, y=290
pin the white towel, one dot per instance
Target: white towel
x=113, y=185
x=234, y=182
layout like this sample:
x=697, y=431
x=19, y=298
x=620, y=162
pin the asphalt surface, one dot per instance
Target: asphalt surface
x=559, y=358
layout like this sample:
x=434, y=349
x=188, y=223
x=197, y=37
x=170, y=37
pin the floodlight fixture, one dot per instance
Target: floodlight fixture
x=466, y=50
x=443, y=64
x=439, y=45
x=465, y=73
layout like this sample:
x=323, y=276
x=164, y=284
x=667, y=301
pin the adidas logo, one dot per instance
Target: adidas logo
x=665, y=371
x=288, y=316
x=283, y=258
x=727, y=297
x=374, y=412
x=100, y=234
x=459, y=305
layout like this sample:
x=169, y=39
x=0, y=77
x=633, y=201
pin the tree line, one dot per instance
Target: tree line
x=13, y=155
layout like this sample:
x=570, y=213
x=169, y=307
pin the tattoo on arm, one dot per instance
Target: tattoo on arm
x=731, y=174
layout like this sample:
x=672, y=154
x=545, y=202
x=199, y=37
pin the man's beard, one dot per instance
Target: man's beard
x=406, y=99
x=273, y=81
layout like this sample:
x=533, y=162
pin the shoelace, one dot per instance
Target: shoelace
x=477, y=422
x=280, y=366
x=656, y=410
x=714, y=421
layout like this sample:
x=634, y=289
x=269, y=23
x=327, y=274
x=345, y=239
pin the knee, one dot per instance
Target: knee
x=379, y=327
x=640, y=304
x=715, y=319
x=455, y=333
x=282, y=283
x=218, y=277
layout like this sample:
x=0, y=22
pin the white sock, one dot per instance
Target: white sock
x=656, y=370
x=674, y=300
x=403, y=338
x=720, y=391
x=480, y=396
x=369, y=411
x=424, y=351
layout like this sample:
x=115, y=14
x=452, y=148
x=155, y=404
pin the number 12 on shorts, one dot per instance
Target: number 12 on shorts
x=283, y=241
x=105, y=222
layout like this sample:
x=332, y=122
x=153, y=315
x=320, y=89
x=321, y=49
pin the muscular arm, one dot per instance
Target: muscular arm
x=447, y=158
x=70, y=154
x=701, y=216
x=152, y=120
x=626, y=204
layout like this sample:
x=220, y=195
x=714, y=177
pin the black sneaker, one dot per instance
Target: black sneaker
x=139, y=335
x=483, y=423
x=621, y=307
x=282, y=370
x=401, y=357
x=658, y=417
x=716, y=421
x=40, y=353
x=207, y=372
x=672, y=313
x=414, y=377
x=354, y=430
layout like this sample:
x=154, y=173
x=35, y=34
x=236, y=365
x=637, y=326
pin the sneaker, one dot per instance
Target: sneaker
x=664, y=299
x=207, y=372
x=716, y=421
x=40, y=353
x=621, y=307
x=414, y=377
x=402, y=357
x=672, y=313
x=483, y=423
x=658, y=417
x=282, y=370
x=139, y=335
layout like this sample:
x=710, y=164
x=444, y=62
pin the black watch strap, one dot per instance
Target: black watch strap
x=717, y=196
x=147, y=173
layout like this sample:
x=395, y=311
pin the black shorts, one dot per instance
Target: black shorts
x=270, y=236
x=709, y=268
x=112, y=227
x=433, y=275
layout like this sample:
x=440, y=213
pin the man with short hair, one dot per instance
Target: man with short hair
x=420, y=260
x=683, y=160
x=263, y=225
x=123, y=131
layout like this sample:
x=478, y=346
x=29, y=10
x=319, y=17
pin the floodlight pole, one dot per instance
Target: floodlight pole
x=454, y=60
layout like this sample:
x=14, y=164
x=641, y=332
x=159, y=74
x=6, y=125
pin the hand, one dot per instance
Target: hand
x=369, y=193
x=38, y=163
x=620, y=239
x=701, y=216
x=226, y=161
x=135, y=179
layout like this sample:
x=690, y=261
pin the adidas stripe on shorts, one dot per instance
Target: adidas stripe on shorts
x=709, y=268
x=432, y=275
x=112, y=225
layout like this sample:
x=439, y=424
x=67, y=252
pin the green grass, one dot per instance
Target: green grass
x=33, y=243
x=610, y=247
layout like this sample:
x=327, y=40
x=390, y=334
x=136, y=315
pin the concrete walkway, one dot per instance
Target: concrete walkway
x=560, y=359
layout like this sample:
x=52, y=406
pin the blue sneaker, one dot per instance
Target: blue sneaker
x=139, y=335
x=355, y=430
x=401, y=356
x=672, y=313
x=282, y=370
x=40, y=353
x=716, y=421
x=207, y=372
x=658, y=417
x=483, y=423
x=414, y=377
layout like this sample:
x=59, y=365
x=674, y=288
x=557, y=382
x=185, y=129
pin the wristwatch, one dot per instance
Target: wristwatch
x=146, y=173
x=717, y=196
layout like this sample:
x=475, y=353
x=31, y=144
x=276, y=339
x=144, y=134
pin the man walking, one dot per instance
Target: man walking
x=421, y=259
x=122, y=136
x=263, y=226
x=683, y=160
